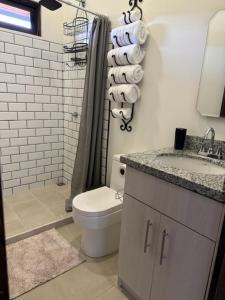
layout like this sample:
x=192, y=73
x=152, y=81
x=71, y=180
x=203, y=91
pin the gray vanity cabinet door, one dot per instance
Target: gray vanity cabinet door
x=183, y=263
x=138, y=242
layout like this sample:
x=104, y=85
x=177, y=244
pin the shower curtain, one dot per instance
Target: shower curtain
x=87, y=167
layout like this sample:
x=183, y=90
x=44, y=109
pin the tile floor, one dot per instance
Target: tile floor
x=92, y=280
x=30, y=209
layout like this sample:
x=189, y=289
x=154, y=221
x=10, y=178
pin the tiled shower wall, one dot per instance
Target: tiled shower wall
x=73, y=89
x=38, y=95
x=31, y=111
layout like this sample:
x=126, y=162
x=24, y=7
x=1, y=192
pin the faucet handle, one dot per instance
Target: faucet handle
x=211, y=150
x=202, y=148
x=219, y=152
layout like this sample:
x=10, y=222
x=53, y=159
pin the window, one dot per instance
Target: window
x=20, y=15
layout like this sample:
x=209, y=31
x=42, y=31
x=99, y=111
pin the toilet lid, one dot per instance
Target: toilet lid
x=98, y=202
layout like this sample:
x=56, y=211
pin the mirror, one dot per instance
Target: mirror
x=211, y=97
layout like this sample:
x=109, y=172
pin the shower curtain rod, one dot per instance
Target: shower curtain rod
x=79, y=7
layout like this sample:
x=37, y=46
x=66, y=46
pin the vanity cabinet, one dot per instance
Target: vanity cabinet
x=183, y=263
x=166, y=254
x=137, y=247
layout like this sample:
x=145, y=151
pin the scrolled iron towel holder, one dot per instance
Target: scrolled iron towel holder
x=126, y=122
x=134, y=4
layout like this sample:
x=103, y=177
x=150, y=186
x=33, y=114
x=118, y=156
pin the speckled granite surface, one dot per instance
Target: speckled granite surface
x=194, y=143
x=212, y=186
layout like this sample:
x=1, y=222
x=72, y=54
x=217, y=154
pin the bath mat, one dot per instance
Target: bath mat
x=38, y=259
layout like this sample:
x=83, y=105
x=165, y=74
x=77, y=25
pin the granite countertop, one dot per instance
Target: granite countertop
x=212, y=186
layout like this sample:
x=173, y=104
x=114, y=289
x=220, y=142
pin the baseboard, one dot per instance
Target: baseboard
x=37, y=230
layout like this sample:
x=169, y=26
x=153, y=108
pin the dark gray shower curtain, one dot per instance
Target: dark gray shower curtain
x=87, y=168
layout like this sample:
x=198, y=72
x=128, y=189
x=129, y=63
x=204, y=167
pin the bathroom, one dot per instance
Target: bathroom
x=34, y=203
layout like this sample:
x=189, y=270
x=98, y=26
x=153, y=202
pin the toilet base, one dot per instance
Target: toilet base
x=100, y=242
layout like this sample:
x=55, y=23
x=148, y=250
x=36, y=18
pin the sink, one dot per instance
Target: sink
x=191, y=164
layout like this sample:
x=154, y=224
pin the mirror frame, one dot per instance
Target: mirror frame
x=222, y=113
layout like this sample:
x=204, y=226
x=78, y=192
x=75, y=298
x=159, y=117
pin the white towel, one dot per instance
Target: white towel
x=125, y=74
x=135, y=15
x=137, y=32
x=129, y=93
x=132, y=54
x=122, y=113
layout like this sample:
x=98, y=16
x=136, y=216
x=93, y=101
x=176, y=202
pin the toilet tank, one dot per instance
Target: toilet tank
x=117, y=181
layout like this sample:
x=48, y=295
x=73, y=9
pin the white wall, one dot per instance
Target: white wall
x=178, y=31
x=31, y=111
x=52, y=29
x=52, y=22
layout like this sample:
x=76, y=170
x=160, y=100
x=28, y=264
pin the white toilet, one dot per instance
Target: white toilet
x=98, y=212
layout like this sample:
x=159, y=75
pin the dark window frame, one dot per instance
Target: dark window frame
x=35, y=11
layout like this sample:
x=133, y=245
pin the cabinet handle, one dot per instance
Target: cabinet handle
x=164, y=235
x=147, y=244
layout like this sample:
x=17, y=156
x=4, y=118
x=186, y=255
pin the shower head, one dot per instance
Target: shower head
x=50, y=4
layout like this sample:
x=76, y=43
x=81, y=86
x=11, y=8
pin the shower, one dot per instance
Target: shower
x=40, y=121
x=50, y=4
x=54, y=4
x=53, y=122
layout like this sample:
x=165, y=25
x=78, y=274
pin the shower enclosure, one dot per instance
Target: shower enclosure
x=41, y=93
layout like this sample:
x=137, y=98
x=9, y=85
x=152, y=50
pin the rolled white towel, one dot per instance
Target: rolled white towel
x=129, y=93
x=125, y=74
x=121, y=113
x=134, y=33
x=135, y=15
x=131, y=54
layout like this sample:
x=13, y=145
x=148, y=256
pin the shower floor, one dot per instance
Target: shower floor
x=32, y=209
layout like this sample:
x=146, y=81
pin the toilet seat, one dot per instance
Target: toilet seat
x=96, y=203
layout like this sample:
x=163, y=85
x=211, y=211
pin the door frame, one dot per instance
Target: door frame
x=4, y=290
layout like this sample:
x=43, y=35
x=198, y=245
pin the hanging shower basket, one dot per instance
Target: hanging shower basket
x=78, y=28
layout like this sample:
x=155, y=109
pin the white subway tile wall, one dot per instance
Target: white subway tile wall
x=38, y=94
x=31, y=133
x=73, y=89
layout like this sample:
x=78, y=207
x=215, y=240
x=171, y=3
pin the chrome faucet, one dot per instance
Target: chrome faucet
x=211, y=152
x=213, y=133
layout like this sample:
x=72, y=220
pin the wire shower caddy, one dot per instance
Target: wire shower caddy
x=79, y=30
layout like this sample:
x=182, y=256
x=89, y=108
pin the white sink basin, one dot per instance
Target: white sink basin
x=191, y=164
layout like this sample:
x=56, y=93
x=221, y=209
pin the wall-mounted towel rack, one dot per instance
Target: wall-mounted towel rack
x=127, y=59
x=114, y=58
x=134, y=4
x=121, y=78
x=125, y=121
x=125, y=78
x=126, y=55
x=127, y=15
x=122, y=95
x=128, y=38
